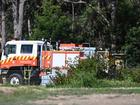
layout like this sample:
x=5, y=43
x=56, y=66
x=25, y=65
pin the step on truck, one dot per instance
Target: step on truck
x=22, y=61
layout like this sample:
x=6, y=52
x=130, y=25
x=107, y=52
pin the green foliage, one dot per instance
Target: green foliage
x=51, y=23
x=133, y=47
x=114, y=83
x=136, y=75
x=90, y=73
x=132, y=75
x=96, y=24
x=83, y=75
x=126, y=75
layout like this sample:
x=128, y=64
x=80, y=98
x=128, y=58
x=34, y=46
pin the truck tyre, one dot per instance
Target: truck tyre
x=15, y=79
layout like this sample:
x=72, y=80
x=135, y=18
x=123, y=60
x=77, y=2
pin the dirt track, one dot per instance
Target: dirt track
x=95, y=99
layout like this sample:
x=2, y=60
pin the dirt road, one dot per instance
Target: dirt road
x=63, y=99
x=95, y=99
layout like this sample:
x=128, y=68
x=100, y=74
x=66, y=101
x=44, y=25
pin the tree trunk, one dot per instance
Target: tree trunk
x=0, y=16
x=29, y=28
x=113, y=13
x=3, y=32
x=18, y=13
x=20, y=21
x=15, y=16
x=113, y=24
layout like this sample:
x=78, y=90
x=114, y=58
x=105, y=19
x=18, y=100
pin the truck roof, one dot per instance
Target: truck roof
x=24, y=42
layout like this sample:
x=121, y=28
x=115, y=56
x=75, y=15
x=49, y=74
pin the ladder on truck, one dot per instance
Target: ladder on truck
x=27, y=74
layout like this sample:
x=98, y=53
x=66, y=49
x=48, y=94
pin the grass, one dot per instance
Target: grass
x=24, y=94
x=103, y=83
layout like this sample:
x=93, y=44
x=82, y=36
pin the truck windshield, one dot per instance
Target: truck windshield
x=10, y=49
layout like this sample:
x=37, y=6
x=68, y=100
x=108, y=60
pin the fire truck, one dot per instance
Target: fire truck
x=23, y=61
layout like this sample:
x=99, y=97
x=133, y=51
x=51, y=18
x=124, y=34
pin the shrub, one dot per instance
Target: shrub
x=136, y=75
x=126, y=74
x=81, y=75
x=90, y=73
x=132, y=74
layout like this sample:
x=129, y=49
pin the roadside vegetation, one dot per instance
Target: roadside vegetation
x=91, y=73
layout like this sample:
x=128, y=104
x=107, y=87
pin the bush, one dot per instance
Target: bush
x=136, y=75
x=81, y=75
x=90, y=73
x=132, y=75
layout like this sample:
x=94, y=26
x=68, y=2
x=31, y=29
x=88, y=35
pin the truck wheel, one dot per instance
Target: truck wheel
x=15, y=79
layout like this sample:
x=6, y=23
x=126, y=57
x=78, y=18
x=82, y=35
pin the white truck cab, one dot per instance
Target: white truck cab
x=17, y=48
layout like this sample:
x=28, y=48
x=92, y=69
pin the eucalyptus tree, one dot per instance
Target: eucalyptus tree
x=98, y=22
x=2, y=26
x=18, y=16
x=32, y=9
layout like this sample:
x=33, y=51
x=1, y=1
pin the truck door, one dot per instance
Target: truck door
x=39, y=56
x=46, y=55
